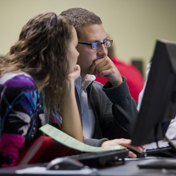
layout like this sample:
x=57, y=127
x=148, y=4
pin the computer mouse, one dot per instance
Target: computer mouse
x=64, y=164
x=139, y=155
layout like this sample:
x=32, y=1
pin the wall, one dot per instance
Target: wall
x=134, y=25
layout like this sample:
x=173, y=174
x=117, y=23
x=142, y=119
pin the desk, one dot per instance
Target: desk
x=130, y=168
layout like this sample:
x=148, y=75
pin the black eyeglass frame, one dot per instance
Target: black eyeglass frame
x=90, y=44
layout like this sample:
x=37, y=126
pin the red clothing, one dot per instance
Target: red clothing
x=134, y=78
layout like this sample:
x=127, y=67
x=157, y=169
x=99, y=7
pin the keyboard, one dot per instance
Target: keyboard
x=167, y=151
x=95, y=159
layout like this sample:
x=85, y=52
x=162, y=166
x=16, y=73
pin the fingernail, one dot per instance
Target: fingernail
x=141, y=150
x=134, y=156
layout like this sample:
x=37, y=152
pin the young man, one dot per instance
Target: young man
x=107, y=112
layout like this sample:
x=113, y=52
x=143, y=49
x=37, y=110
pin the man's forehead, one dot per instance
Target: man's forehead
x=94, y=32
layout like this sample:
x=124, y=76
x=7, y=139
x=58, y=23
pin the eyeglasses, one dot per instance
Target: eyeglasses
x=97, y=45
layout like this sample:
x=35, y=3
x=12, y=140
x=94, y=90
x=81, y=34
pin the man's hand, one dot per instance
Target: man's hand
x=105, y=67
x=124, y=143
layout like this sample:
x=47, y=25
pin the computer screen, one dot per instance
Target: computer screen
x=159, y=101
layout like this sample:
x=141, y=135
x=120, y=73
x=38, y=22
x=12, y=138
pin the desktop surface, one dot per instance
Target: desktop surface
x=130, y=168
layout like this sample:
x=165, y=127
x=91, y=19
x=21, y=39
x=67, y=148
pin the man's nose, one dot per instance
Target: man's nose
x=102, y=51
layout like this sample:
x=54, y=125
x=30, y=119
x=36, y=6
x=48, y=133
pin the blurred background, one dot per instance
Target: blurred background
x=134, y=25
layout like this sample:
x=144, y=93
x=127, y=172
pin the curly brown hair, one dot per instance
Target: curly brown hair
x=41, y=50
x=81, y=17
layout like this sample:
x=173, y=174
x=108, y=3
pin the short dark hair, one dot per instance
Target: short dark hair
x=81, y=17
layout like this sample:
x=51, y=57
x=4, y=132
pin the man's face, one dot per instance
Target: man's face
x=87, y=56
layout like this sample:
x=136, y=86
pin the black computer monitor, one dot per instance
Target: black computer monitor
x=159, y=101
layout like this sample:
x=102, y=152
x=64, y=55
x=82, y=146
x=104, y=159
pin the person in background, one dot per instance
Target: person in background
x=133, y=77
x=107, y=112
x=42, y=60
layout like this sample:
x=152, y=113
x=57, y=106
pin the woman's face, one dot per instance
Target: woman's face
x=72, y=53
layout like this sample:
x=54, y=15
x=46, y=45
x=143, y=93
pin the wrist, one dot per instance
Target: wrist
x=70, y=84
x=104, y=144
x=115, y=84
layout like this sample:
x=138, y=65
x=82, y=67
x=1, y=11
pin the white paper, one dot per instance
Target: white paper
x=71, y=142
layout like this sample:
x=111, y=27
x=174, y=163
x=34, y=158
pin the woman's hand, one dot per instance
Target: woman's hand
x=72, y=76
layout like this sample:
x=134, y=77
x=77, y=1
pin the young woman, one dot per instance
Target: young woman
x=42, y=60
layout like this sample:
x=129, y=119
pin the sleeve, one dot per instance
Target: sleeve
x=18, y=107
x=119, y=117
x=95, y=142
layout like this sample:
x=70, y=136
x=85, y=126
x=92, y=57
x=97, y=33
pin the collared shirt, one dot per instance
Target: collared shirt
x=87, y=115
